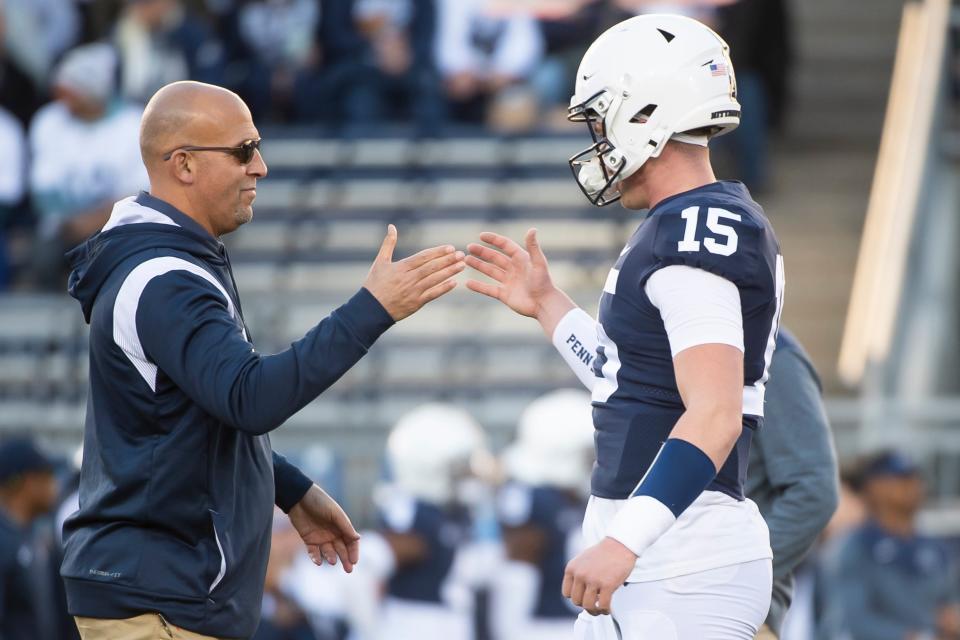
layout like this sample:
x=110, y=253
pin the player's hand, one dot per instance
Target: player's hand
x=404, y=286
x=522, y=277
x=326, y=529
x=593, y=576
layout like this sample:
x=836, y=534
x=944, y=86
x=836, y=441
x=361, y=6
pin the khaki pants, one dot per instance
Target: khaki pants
x=149, y=626
x=765, y=634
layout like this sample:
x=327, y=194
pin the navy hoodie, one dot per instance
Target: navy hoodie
x=178, y=480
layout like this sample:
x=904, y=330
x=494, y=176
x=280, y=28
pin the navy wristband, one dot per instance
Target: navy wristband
x=678, y=475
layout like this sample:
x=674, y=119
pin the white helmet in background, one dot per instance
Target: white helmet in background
x=433, y=447
x=642, y=82
x=554, y=445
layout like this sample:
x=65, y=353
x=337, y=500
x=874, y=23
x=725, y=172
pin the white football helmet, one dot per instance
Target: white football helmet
x=434, y=447
x=554, y=445
x=642, y=82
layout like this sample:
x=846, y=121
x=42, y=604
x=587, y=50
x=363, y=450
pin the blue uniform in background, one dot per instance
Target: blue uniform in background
x=425, y=600
x=442, y=532
x=558, y=517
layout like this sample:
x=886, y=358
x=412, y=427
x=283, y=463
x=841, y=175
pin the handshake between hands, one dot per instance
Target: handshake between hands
x=521, y=277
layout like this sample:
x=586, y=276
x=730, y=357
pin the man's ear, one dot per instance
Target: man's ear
x=184, y=167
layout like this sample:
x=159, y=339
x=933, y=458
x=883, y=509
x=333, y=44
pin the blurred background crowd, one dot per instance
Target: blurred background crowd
x=75, y=74
x=466, y=545
x=448, y=117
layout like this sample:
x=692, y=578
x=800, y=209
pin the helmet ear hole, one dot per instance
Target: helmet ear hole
x=644, y=114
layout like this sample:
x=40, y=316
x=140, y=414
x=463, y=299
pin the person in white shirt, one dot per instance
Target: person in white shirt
x=12, y=181
x=84, y=157
x=483, y=54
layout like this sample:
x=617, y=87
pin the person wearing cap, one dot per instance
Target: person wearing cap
x=792, y=475
x=84, y=157
x=28, y=490
x=889, y=581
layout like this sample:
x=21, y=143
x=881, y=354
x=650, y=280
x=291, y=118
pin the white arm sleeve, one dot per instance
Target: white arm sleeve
x=14, y=141
x=454, y=51
x=575, y=337
x=697, y=307
x=519, y=49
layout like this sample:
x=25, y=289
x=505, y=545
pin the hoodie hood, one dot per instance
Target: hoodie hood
x=137, y=224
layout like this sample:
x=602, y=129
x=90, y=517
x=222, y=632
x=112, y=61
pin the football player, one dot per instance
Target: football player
x=678, y=358
x=434, y=453
x=540, y=510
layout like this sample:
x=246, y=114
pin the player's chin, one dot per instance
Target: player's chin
x=632, y=202
x=631, y=195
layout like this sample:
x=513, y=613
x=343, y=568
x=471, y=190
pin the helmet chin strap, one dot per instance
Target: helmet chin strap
x=700, y=141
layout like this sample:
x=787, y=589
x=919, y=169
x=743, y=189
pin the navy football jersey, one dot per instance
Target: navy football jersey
x=443, y=531
x=717, y=228
x=558, y=516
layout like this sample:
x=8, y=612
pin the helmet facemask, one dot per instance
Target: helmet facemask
x=598, y=167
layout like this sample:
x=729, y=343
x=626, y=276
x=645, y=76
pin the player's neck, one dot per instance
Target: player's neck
x=677, y=171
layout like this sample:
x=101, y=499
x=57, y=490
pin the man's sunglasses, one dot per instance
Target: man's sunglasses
x=244, y=152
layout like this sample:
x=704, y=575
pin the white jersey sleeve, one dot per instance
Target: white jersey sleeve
x=452, y=43
x=697, y=307
x=575, y=337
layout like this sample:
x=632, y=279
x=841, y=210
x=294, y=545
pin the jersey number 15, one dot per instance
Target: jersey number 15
x=726, y=247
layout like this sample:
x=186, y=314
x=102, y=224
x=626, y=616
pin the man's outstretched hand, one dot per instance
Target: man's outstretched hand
x=521, y=278
x=326, y=529
x=404, y=286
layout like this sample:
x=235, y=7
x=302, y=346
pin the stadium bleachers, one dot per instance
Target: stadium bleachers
x=320, y=218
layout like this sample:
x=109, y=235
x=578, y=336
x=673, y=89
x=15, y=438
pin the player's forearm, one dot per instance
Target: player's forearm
x=575, y=337
x=551, y=308
x=713, y=428
x=709, y=377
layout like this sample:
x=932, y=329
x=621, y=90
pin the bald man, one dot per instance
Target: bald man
x=179, y=480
